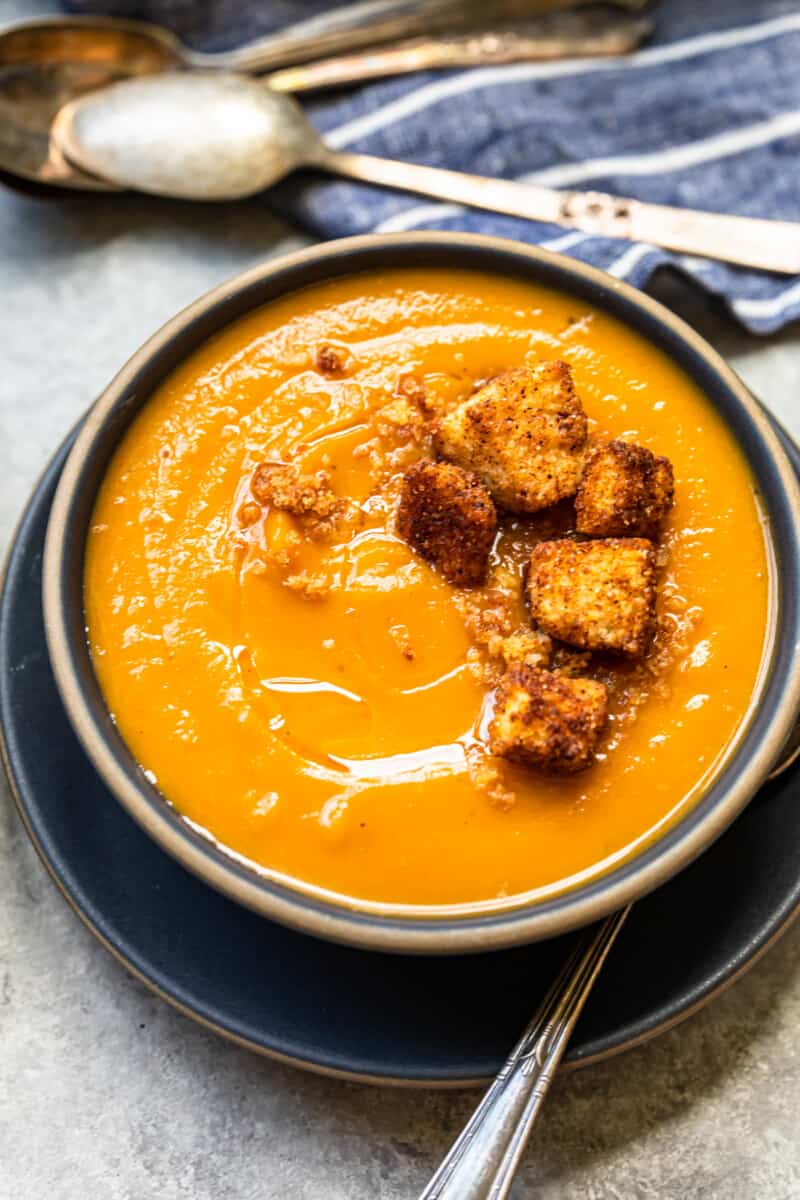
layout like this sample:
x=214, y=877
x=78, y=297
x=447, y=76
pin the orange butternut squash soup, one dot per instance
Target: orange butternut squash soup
x=428, y=587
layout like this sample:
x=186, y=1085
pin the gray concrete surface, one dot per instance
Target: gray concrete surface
x=105, y=1092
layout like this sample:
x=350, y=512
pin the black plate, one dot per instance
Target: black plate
x=438, y=1021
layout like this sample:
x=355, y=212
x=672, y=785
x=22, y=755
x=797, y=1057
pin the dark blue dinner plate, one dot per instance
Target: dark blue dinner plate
x=368, y=1016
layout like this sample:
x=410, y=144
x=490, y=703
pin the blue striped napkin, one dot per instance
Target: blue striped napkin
x=707, y=115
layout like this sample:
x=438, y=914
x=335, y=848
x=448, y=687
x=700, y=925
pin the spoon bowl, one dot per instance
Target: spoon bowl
x=48, y=61
x=196, y=136
x=118, y=46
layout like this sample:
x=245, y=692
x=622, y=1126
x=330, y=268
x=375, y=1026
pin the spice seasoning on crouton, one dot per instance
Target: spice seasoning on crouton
x=448, y=517
x=626, y=490
x=523, y=434
x=545, y=721
x=597, y=595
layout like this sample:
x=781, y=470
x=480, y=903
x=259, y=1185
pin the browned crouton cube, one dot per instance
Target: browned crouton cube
x=596, y=595
x=545, y=721
x=523, y=433
x=528, y=646
x=625, y=491
x=448, y=517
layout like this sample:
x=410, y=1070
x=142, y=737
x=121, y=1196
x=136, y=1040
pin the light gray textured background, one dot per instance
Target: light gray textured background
x=108, y=1094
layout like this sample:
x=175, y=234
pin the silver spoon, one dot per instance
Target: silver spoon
x=215, y=136
x=49, y=61
x=138, y=47
x=593, y=33
x=483, y=1160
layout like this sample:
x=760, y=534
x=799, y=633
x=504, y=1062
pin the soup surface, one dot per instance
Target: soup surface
x=318, y=703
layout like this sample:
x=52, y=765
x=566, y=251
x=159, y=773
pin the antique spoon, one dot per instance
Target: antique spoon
x=215, y=136
x=483, y=1160
x=589, y=34
x=46, y=63
x=134, y=47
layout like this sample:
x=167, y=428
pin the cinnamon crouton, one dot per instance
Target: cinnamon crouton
x=545, y=721
x=523, y=434
x=625, y=491
x=448, y=517
x=597, y=595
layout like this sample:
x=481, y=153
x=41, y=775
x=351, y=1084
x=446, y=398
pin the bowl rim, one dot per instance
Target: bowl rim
x=417, y=929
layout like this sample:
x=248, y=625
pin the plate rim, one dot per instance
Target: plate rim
x=387, y=1081
x=755, y=951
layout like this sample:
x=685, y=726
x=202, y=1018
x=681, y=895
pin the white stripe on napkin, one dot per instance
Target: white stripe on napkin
x=466, y=81
x=621, y=267
x=672, y=158
x=772, y=307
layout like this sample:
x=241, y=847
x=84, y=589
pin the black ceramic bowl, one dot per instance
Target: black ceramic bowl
x=772, y=715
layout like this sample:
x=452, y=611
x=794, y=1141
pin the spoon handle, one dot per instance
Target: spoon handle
x=483, y=1160
x=746, y=241
x=369, y=22
x=531, y=42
